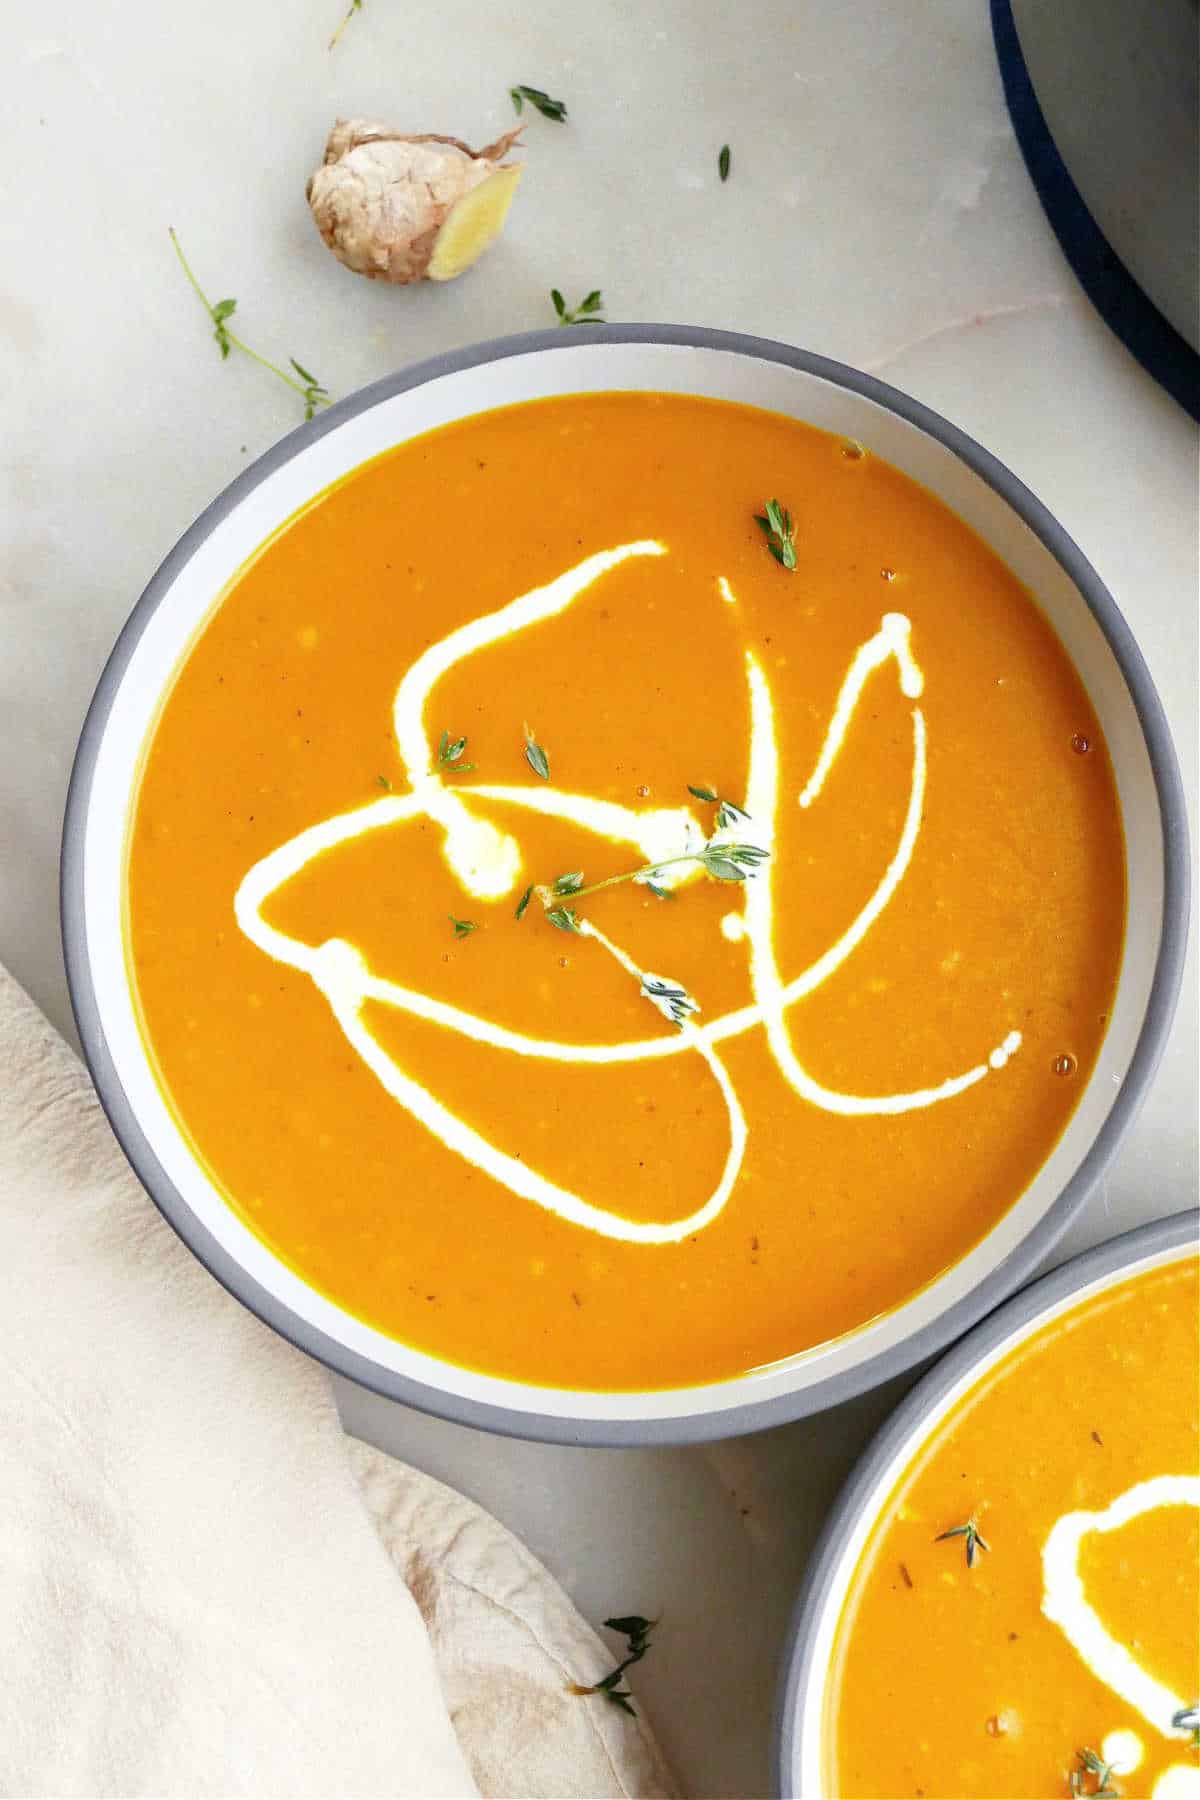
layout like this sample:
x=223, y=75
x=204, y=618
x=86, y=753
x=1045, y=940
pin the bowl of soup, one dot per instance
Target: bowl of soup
x=1004, y=1601
x=622, y=886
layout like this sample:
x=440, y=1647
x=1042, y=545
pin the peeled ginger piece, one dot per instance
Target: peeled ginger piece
x=472, y=224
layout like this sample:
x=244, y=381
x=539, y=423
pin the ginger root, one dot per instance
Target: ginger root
x=403, y=208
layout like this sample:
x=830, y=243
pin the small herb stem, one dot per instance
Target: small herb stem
x=306, y=394
x=633, y=874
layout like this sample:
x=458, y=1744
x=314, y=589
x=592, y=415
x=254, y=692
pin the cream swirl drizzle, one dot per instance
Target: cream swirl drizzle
x=1066, y=1603
x=488, y=863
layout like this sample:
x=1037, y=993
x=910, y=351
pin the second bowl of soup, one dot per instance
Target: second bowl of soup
x=596, y=884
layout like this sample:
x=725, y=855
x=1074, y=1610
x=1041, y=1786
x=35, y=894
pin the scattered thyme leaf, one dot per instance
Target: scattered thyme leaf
x=1091, y=1764
x=703, y=793
x=384, y=783
x=564, y=917
x=660, y=893
x=311, y=392
x=723, y=163
x=776, y=522
x=549, y=109
x=462, y=927
x=314, y=393
x=637, y=1631
x=729, y=815
x=354, y=6
x=674, y=1003
x=732, y=862
x=450, y=755
x=568, y=884
x=975, y=1540
x=536, y=757
x=1188, y=1719
x=523, y=902
x=588, y=312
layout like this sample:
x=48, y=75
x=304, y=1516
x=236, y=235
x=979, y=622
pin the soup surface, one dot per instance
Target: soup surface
x=508, y=1140
x=1070, y=1642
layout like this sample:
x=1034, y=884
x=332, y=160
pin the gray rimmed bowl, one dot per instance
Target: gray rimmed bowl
x=808, y=1653
x=725, y=366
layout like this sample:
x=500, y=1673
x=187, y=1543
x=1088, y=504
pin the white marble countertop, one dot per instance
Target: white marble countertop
x=878, y=211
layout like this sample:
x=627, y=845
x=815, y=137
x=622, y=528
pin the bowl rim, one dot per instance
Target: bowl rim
x=702, y=1426
x=902, y=1428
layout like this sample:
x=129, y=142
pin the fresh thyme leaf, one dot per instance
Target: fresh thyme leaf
x=568, y=884
x=723, y=163
x=676, y=1005
x=776, y=522
x=384, y=783
x=314, y=394
x=449, y=755
x=564, y=917
x=634, y=1627
x=588, y=312
x=354, y=6
x=702, y=793
x=462, y=927
x=311, y=392
x=536, y=757
x=1188, y=1719
x=729, y=815
x=975, y=1540
x=549, y=109
x=1091, y=1764
x=523, y=902
x=660, y=893
x=731, y=862
x=722, y=868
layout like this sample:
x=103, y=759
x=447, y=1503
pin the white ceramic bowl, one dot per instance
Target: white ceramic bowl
x=724, y=366
x=799, y=1745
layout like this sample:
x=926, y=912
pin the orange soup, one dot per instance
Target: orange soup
x=604, y=939
x=1024, y=1620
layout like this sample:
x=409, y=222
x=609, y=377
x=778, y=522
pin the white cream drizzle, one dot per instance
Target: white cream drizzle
x=1065, y=1602
x=1180, y=1782
x=487, y=862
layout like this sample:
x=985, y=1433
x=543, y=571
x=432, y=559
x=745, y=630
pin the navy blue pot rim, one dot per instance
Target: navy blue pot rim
x=753, y=1415
x=1125, y=307
x=1172, y=1233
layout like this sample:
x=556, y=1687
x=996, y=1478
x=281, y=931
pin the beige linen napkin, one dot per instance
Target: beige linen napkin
x=204, y=1589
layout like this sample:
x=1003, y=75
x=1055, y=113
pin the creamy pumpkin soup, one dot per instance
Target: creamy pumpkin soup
x=624, y=889
x=1025, y=1619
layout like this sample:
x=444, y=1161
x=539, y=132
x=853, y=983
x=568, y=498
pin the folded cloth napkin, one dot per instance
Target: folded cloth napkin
x=204, y=1588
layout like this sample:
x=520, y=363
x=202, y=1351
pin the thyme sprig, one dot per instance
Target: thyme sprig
x=636, y=1632
x=549, y=109
x=220, y=312
x=354, y=6
x=588, y=312
x=724, y=862
x=674, y=1002
x=1091, y=1764
x=449, y=755
x=975, y=1540
x=776, y=522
